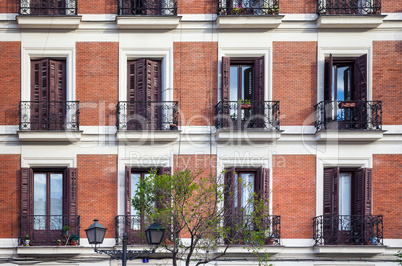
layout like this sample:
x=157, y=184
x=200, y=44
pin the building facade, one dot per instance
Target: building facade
x=300, y=98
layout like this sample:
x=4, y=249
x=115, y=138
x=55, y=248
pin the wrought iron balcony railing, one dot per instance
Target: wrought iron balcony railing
x=148, y=115
x=348, y=230
x=47, y=230
x=234, y=115
x=147, y=7
x=134, y=226
x=248, y=7
x=348, y=115
x=242, y=226
x=349, y=7
x=48, y=7
x=49, y=115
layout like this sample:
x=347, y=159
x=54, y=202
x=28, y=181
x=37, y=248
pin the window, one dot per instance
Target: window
x=48, y=94
x=135, y=224
x=240, y=186
x=347, y=200
x=345, y=92
x=247, y=7
x=48, y=202
x=147, y=7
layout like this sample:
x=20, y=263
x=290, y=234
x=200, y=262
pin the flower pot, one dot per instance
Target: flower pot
x=269, y=241
x=173, y=127
x=347, y=105
x=245, y=106
x=73, y=242
x=26, y=242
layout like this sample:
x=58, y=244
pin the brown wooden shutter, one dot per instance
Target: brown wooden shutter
x=39, y=94
x=362, y=192
x=368, y=191
x=328, y=79
x=26, y=201
x=230, y=190
x=331, y=188
x=57, y=94
x=259, y=79
x=70, y=192
x=153, y=94
x=261, y=184
x=127, y=190
x=360, y=78
x=225, y=78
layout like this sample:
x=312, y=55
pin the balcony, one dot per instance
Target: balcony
x=46, y=230
x=48, y=14
x=148, y=120
x=147, y=14
x=349, y=13
x=255, y=121
x=262, y=14
x=353, y=234
x=349, y=120
x=49, y=121
x=133, y=226
x=245, y=225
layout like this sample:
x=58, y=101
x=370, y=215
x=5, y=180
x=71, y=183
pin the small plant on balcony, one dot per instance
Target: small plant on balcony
x=66, y=229
x=274, y=10
x=173, y=127
x=74, y=239
x=239, y=10
x=26, y=241
x=245, y=104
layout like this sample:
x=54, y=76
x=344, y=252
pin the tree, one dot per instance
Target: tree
x=190, y=207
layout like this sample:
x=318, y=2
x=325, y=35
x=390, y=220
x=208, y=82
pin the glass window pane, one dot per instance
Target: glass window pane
x=233, y=83
x=345, y=200
x=40, y=201
x=248, y=82
x=247, y=192
x=135, y=181
x=56, y=201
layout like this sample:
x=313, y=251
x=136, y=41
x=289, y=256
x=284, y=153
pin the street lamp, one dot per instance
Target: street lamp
x=96, y=233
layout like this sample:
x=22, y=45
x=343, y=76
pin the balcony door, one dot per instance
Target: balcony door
x=243, y=92
x=345, y=92
x=48, y=202
x=47, y=7
x=144, y=109
x=48, y=94
x=347, y=200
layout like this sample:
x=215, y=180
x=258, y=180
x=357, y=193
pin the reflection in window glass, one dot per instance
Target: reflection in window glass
x=56, y=201
x=345, y=200
x=40, y=201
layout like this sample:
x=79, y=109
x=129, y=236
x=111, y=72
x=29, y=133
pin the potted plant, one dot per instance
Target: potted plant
x=269, y=237
x=245, y=104
x=66, y=230
x=347, y=104
x=173, y=127
x=74, y=239
x=26, y=241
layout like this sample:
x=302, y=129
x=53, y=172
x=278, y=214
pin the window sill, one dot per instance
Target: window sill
x=369, y=250
x=148, y=22
x=349, y=21
x=54, y=250
x=349, y=135
x=249, y=22
x=251, y=136
x=50, y=136
x=49, y=22
x=148, y=136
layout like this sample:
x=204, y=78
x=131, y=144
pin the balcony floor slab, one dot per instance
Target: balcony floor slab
x=349, y=135
x=50, y=136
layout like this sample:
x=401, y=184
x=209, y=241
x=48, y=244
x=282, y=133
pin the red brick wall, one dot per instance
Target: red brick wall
x=297, y=6
x=10, y=82
x=97, y=7
x=387, y=79
x=195, y=83
x=387, y=192
x=9, y=6
x=295, y=81
x=196, y=7
x=97, y=191
x=97, y=80
x=10, y=194
x=294, y=193
x=391, y=6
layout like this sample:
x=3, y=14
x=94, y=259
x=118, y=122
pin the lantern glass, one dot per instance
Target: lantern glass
x=95, y=233
x=154, y=234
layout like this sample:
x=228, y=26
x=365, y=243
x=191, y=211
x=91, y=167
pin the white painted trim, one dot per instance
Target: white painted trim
x=98, y=130
x=299, y=17
x=8, y=16
x=8, y=130
x=393, y=16
x=8, y=242
x=28, y=53
x=325, y=162
x=198, y=17
x=352, y=52
x=42, y=161
x=98, y=17
x=298, y=242
x=133, y=53
x=238, y=52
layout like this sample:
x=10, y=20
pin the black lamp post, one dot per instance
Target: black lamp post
x=96, y=233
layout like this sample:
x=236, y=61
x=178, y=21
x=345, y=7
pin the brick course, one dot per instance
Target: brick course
x=10, y=82
x=195, y=83
x=97, y=191
x=387, y=192
x=294, y=191
x=387, y=79
x=10, y=189
x=97, y=80
x=294, y=81
x=196, y=7
x=97, y=7
x=9, y=6
x=297, y=6
x=391, y=6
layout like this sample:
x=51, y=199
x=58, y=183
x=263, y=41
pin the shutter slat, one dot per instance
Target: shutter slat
x=358, y=192
x=368, y=199
x=360, y=78
x=70, y=192
x=328, y=79
x=128, y=190
x=259, y=79
x=225, y=78
x=26, y=200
